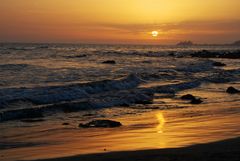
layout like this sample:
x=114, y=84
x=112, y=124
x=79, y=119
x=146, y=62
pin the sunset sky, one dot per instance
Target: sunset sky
x=119, y=21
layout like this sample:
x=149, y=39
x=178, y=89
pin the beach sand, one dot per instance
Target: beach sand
x=211, y=121
x=227, y=150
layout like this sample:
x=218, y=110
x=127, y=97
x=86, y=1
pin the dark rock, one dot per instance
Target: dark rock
x=188, y=97
x=65, y=123
x=193, y=99
x=212, y=54
x=81, y=56
x=171, y=54
x=219, y=64
x=109, y=62
x=76, y=56
x=101, y=124
x=232, y=90
x=196, y=101
x=205, y=54
x=124, y=105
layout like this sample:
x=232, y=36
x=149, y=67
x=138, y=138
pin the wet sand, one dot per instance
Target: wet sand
x=159, y=130
x=227, y=150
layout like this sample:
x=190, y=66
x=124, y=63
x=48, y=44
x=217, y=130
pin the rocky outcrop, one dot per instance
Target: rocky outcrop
x=187, y=97
x=192, y=99
x=101, y=124
x=232, y=90
x=213, y=54
x=109, y=62
x=196, y=101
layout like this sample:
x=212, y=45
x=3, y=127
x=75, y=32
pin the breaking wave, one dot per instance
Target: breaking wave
x=95, y=95
x=55, y=94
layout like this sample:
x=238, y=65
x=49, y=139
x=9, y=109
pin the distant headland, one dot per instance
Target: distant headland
x=188, y=43
x=185, y=43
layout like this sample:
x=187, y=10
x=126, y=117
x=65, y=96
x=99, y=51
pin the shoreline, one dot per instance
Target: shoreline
x=208, y=122
x=226, y=150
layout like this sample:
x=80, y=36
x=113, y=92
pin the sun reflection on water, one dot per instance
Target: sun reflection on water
x=161, y=121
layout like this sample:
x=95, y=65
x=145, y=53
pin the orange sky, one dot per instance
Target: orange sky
x=119, y=21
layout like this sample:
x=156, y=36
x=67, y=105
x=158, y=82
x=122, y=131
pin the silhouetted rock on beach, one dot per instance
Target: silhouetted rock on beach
x=196, y=101
x=188, y=97
x=109, y=62
x=101, y=124
x=232, y=90
x=192, y=99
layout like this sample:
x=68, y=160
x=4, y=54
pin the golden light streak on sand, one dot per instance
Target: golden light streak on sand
x=162, y=121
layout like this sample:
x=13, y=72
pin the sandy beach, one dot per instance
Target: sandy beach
x=227, y=150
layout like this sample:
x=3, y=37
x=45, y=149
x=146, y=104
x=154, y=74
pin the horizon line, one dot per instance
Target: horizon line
x=145, y=44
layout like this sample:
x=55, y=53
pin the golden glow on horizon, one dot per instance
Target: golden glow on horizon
x=110, y=21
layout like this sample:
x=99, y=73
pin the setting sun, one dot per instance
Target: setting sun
x=154, y=33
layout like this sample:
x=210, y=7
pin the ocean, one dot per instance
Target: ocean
x=46, y=90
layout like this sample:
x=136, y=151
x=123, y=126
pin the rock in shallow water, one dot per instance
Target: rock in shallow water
x=196, y=101
x=101, y=124
x=213, y=54
x=232, y=90
x=219, y=64
x=109, y=62
x=193, y=99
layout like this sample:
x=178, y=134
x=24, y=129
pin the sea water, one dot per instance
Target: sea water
x=43, y=86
